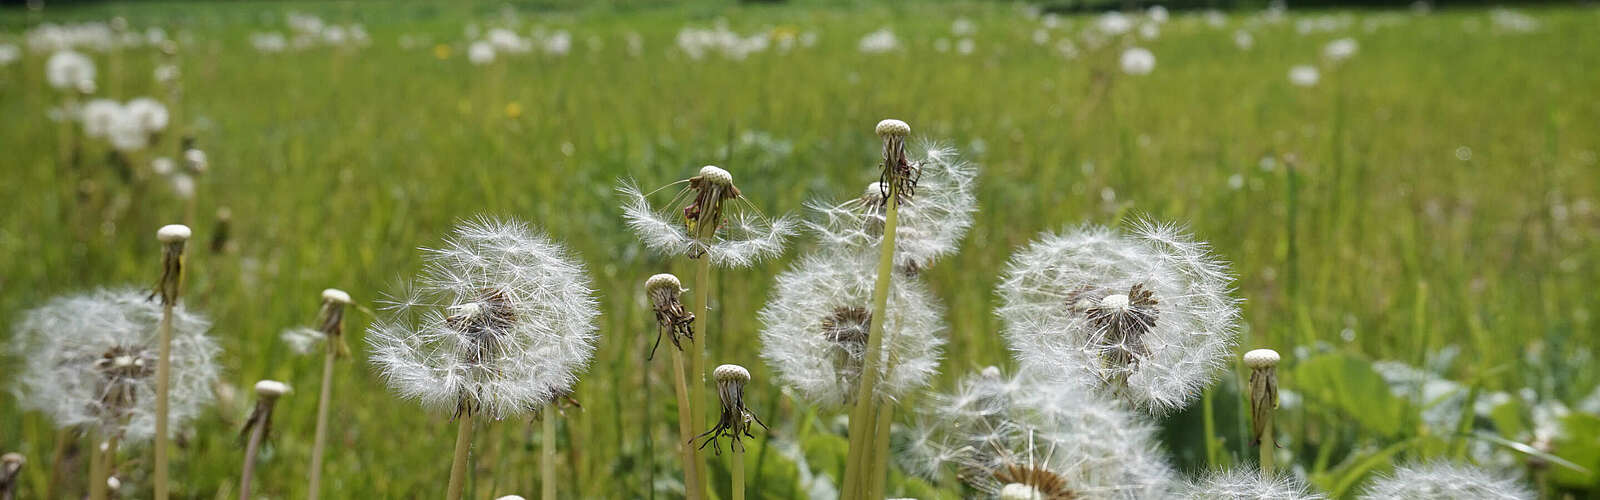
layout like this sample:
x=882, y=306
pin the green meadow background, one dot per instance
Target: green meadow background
x=1432, y=201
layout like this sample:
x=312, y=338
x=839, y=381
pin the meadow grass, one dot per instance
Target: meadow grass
x=1436, y=191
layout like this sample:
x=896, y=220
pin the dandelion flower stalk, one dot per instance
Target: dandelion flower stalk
x=258, y=426
x=899, y=182
x=172, y=237
x=458, y=462
x=547, y=451
x=331, y=325
x=733, y=422
x=101, y=464
x=1263, y=365
x=673, y=320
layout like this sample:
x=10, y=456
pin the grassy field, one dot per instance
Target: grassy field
x=1431, y=201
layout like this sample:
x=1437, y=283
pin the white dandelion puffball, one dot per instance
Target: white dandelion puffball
x=1304, y=75
x=878, y=42
x=9, y=53
x=814, y=329
x=90, y=359
x=1052, y=440
x=149, y=114
x=1244, y=40
x=501, y=322
x=67, y=70
x=1145, y=315
x=126, y=133
x=1340, y=49
x=741, y=236
x=98, y=115
x=1245, y=484
x=1138, y=61
x=1445, y=481
x=480, y=53
x=931, y=223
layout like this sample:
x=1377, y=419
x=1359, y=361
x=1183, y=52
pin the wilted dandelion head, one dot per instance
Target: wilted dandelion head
x=501, y=322
x=672, y=319
x=1023, y=437
x=931, y=225
x=814, y=330
x=329, y=325
x=1445, y=481
x=67, y=70
x=1145, y=315
x=735, y=418
x=707, y=218
x=90, y=359
x=1245, y=484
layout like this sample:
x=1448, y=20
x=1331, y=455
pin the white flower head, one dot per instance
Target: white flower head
x=1145, y=315
x=708, y=218
x=480, y=52
x=1340, y=49
x=814, y=329
x=98, y=115
x=1304, y=75
x=126, y=132
x=1245, y=484
x=1053, y=440
x=1138, y=61
x=90, y=359
x=68, y=69
x=501, y=322
x=931, y=224
x=149, y=114
x=1445, y=481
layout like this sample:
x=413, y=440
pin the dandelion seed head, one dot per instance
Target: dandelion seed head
x=1138, y=61
x=98, y=116
x=893, y=128
x=501, y=321
x=302, y=340
x=67, y=69
x=90, y=359
x=1245, y=484
x=743, y=237
x=931, y=224
x=150, y=114
x=1143, y=315
x=815, y=326
x=1445, y=481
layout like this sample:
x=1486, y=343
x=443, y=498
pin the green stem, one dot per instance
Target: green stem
x=547, y=445
x=697, y=366
x=250, y=449
x=738, y=473
x=163, y=387
x=97, y=473
x=878, y=476
x=863, y=415
x=458, y=465
x=1267, y=445
x=685, y=422
x=321, y=440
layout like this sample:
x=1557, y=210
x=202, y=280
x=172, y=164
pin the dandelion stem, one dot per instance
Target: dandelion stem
x=250, y=450
x=97, y=473
x=1267, y=445
x=547, y=462
x=862, y=416
x=738, y=472
x=878, y=474
x=458, y=465
x=685, y=421
x=697, y=366
x=57, y=461
x=321, y=440
x=163, y=387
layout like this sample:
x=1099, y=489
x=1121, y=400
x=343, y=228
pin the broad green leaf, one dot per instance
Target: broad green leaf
x=1350, y=386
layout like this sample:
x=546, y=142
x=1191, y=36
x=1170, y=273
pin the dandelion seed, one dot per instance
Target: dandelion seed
x=734, y=422
x=1445, y=481
x=1245, y=484
x=501, y=322
x=91, y=360
x=931, y=225
x=709, y=218
x=815, y=330
x=1022, y=437
x=1146, y=316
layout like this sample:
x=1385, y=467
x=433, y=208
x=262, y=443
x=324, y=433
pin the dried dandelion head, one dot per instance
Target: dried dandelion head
x=1021, y=437
x=90, y=359
x=672, y=319
x=1145, y=315
x=501, y=322
x=329, y=329
x=708, y=218
x=735, y=419
x=267, y=394
x=931, y=224
x=1263, y=365
x=814, y=330
x=1445, y=481
x=899, y=175
x=1245, y=484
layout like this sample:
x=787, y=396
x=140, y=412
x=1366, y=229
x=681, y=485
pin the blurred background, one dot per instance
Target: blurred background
x=1406, y=191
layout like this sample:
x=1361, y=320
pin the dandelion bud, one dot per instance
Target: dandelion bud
x=893, y=128
x=734, y=422
x=173, y=237
x=663, y=291
x=1263, y=392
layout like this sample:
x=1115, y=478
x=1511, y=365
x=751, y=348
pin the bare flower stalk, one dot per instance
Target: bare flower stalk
x=713, y=186
x=458, y=464
x=672, y=320
x=104, y=461
x=172, y=238
x=331, y=324
x=547, y=451
x=1263, y=365
x=258, y=426
x=733, y=422
x=899, y=181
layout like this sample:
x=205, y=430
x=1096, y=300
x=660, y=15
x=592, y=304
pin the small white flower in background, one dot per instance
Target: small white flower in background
x=1026, y=438
x=1340, y=49
x=963, y=27
x=480, y=53
x=878, y=42
x=1144, y=315
x=1041, y=36
x=1215, y=18
x=1157, y=13
x=1304, y=75
x=708, y=218
x=1244, y=40
x=67, y=70
x=505, y=40
x=1138, y=61
x=166, y=74
x=814, y=329
x=149, y=114
x=98, y=115
x=1245, y=484
x=162, y=165
x=126, y=133
x=931, y=224
x=965, y=46
x=1113, y=23
x=271, y=42
x=1149, y=31
x=9, y=53
x=557, y=43
x=1445, y=481
x=500, y=323
x=90, y=359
